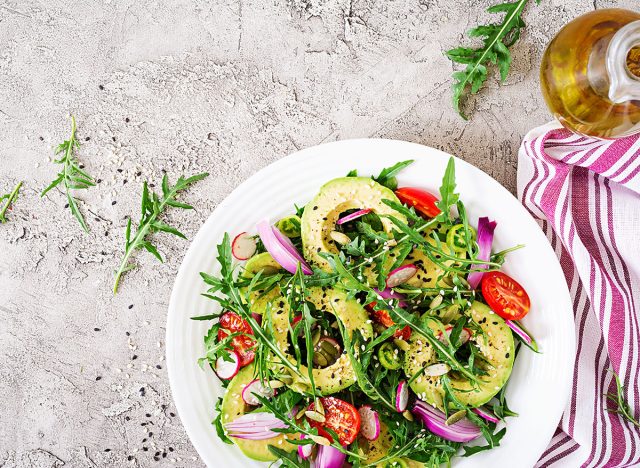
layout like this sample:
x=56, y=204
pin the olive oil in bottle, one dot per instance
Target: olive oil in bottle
x=590, y=74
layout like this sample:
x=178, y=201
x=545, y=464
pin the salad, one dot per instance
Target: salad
x=370, y=327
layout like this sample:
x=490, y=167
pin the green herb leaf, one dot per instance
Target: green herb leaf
x=151, y=207
x=621, y=406
x=497, y=38
x=387, y=176
x=72, y=177
x=10, y=199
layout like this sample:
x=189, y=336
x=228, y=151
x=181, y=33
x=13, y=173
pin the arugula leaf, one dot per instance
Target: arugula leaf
x=621, y=406
x=218, y=424
x=448, y=196
x=387, y=175
x=11, y=198
x=352, y=173
x=289, y=459
x=495, y=442
x=153, y=206
x=497, y=38
x=72, y=177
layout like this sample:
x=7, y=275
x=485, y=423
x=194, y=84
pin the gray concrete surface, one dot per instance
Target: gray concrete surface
x=226, y=86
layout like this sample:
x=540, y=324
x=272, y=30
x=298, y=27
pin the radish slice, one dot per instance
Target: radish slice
x=243, y=246
x=486, y=414
x=281, y=248
x=352, y=216
x=369, y=423
x=228, y=369
x=388, y=293
x=402, y=396
x=401, y=275
x=304, y=451
x=253, y=388
x=523, y=334
x=465, y=335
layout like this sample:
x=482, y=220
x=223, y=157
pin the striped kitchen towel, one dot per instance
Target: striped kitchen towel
x=585, y=193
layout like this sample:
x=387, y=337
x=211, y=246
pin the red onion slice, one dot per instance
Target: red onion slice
x=523, y=334
x=370, y=423
x=485, y=239
x=484, y=413
x=281, y=248
x=401, y=275
x=435, y=420
x=329, y=457
x=352, y=216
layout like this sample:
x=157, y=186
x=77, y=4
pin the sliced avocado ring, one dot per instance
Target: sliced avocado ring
x=233, y=406
x=496, y=348
x=374, y=450
x=340, y=374
x=336, y=197
x=265, y=263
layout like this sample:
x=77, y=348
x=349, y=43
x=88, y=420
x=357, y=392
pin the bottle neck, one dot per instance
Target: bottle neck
x=624, y=84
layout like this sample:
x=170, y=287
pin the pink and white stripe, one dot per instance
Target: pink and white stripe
x=586, y=195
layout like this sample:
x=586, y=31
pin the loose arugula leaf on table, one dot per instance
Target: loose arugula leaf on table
x=10, y=199
x=622, y=407
x=152, y=207
x=387, y=176
x=72, y=176
x=496, y=38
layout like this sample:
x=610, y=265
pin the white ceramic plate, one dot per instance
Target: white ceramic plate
x=539, y=384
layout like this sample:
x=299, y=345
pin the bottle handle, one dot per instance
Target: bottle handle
x=623, y=85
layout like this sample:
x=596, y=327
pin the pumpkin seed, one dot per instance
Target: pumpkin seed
x=339, y=237
x=455, y=417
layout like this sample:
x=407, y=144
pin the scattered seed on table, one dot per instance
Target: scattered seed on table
x=41, y=138
x=113, y=202
x=98, y=377
x=130, y=306
x=145, y=449
x=134, y=357
x=172, y=415
x=96, y=329
x=127, y=418
x=142, y=391
x=127, y=333
x=87, y=138
x=130, y=457
x=150, y=434
x=107, y=450
x=158, y=366
x=101, y=87
x=113, y=138
x=148, y=415
x=127, y=120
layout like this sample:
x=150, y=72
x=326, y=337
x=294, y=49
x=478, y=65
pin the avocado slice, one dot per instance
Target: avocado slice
x=233, y=406
x=340, y=374
x=496, y=347
x=336, y=197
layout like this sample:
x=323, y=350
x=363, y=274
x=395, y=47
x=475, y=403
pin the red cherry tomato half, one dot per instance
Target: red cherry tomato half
x=384, y=318
x=244, y=345
x=423, y=201
x=341, y=417
x=234, y=323
x=505, y=295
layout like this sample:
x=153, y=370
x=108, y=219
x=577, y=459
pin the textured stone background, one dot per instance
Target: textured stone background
x=225, y=86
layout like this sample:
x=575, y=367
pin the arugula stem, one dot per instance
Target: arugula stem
x=10, y=199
